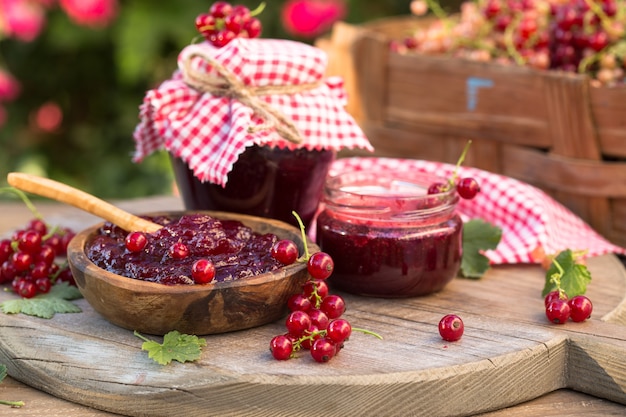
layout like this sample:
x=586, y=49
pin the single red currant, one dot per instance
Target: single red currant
x=451, y=327
x=333, y=305
x=297, y=323
x=179, y=250
x=43, y=285
x=281, y=347
x=437, y=188
x=339, y=330
x=220, y=9
x=580, y=308
x=299, y=302
x=323, y=350
x=558, y=311
x=30, y=242
x=554, y=295
x=315, y=290
x=136, y=241
x=319, y=318
x=203, y=271
x=467, y=188
x=320, y=265
x=22, y=261
x=27, y=289
x=285, y=251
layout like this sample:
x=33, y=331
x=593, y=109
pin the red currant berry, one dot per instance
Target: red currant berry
x=40, y=270
x=558, y=311
x=339, y=330
x=309, y=337
x=221, y=9
x=320, y=265
x=66, y=276
x=285, y=251
x=202, y=271
x=319, y=319
x=253, y=27
x=5, y=250
x=136, y=241
x=38, y=226
x=297, y=322
x=27, y=289
x=43, y=285
x=7, y=272
x=467, y=188
x=313, y=287
x=333, y=305
x=451, y=327
x=22, y=261
x=29, y=242
x=323, y=350
x=299, y=302
x=179, y=250
x=580, y=308
x=554, y=295
x=46, y=254
x=437, y=188
x=281, y=347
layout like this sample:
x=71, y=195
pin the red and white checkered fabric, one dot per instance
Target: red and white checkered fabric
x=528, y=217
x=209, y=132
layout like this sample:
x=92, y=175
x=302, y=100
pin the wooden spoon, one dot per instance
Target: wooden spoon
x=64, y=193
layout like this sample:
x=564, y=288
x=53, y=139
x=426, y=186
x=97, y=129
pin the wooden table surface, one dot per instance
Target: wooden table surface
x=545, y=370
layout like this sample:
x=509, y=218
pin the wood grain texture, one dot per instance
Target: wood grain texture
x=509, y=355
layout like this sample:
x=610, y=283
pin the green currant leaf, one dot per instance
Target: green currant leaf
x=45, y=305
x=175, y=346
x=478, y=236
x=574, y=278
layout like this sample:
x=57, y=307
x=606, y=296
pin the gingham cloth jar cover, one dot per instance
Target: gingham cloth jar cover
x=265, y=92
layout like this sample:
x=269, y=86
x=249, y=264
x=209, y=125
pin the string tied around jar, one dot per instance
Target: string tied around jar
x=226, y=84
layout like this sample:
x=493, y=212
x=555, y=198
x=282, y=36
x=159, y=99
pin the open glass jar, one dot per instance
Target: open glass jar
x=387, y=236
x=265, y=181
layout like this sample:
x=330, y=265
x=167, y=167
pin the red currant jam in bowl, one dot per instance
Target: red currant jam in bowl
x=265, y=181
x=387, y=236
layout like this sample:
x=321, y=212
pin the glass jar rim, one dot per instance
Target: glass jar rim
x=388, y=195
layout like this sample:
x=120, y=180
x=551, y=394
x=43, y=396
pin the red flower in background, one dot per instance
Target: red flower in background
x=9, y=87
x=311, y=18
x=93, y=13
x=21, y=19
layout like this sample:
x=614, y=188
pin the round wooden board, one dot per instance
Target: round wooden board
x=509, y=354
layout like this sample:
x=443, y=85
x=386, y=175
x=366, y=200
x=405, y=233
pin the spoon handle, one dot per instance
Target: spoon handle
x=64, y=193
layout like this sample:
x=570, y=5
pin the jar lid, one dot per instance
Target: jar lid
x=265, y=92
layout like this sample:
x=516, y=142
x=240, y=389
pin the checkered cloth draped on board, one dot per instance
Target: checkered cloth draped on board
x=527, y=216
x=209, y=131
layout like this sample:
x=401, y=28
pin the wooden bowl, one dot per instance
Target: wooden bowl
x=155, y=308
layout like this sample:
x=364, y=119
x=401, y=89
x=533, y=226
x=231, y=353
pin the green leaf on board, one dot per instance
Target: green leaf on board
x=478, y=236
x=176, y=346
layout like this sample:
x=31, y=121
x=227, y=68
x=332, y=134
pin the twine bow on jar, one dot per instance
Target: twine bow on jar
x=226, y=84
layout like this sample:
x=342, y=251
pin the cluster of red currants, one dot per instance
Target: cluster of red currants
x=314, y=322
x=467, y=187
x=29, y=259
x=225, y=22
x=560, y=308
x=567, y=35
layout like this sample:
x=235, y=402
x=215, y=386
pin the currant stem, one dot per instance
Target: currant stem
x=455, y=174
x=368, y=332
x=259, y=9
x=302, y=231
x=142, y=337
x=25, y=199
x=14, y=404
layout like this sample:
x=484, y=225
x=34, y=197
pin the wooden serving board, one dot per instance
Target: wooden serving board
x=509, y=354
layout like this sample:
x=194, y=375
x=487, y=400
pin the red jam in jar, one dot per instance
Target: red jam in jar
x=387, y=236
x=265, y=182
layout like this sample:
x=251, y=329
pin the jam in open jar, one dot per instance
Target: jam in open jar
x=387, y=236
x=265, y=181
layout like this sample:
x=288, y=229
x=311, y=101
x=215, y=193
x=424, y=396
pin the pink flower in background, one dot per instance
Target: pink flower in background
x=9, y=86
x=93, y=13
x=22, y=19
x=48, y=117
x=310, y=18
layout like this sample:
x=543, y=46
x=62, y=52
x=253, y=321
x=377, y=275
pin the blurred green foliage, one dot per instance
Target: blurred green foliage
x=99, y=78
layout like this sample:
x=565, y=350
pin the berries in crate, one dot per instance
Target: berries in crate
x=538, y=86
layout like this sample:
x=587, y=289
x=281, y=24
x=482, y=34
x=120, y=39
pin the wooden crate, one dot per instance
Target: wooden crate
x=550, y=129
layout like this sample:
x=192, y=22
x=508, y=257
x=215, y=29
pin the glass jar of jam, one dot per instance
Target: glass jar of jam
x=265, y=181
x=387, y=236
